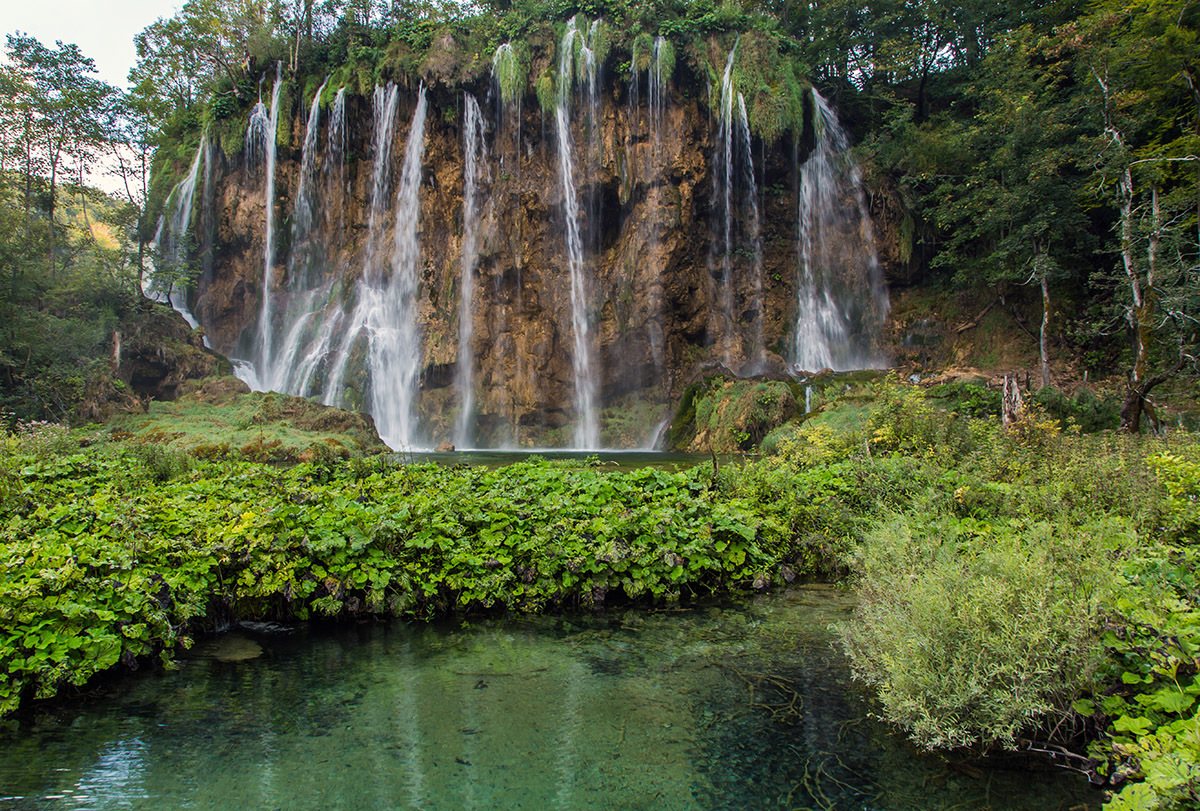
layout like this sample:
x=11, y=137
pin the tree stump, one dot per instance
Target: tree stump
x=1011, y=406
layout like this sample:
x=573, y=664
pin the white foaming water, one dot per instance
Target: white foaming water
x=260, y=146
x=577, y=68
x=277, y=372
x=170, y=243
x=474, y=170
x=756, y=352
x=733, y=167
x=334, y=170
x=842, y=301
x=383, y=134
x=394, y=355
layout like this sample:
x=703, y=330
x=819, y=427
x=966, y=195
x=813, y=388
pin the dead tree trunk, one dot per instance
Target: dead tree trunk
x=1011, y=406
x=1137, y=399
x=1040, y=262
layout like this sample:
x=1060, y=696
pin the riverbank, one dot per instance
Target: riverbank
x=1026, y=588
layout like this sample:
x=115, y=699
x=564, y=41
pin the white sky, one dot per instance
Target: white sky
x=103, y=29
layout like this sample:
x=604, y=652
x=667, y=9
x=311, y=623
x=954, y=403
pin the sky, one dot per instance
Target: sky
x=103, y=29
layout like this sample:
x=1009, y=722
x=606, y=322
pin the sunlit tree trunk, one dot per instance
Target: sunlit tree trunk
x=1043, y=337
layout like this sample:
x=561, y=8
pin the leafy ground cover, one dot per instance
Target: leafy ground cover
x=118, y=553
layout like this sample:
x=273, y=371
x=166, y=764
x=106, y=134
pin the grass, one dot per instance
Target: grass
x=221, y=419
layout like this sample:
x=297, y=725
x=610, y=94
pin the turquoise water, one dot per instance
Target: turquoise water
x=745, y=706
x=604, y=460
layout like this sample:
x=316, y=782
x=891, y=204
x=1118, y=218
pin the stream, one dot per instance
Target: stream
x=732, y=705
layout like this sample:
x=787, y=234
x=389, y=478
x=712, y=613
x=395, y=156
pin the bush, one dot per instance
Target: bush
x=1084, y=409
x=974, y=634
x=160, y=462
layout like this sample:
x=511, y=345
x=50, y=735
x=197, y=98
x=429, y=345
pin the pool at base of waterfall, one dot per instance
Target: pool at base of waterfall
x=745, y=704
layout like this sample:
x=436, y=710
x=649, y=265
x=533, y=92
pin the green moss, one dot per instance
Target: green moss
x=216, y=420
x=772, y=83
x=666, y=60
x=546, y=94
x=728, y=416
x=511, y=72
x=641, y=53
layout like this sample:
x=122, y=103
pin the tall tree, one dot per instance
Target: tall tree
x=62, y=108
x=1140, y=61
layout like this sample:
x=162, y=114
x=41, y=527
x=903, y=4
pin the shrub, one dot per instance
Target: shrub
x=1084, y=409
x=160, y=462
x=974, y=634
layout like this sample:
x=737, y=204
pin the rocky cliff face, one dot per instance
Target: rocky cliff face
x=656, y=286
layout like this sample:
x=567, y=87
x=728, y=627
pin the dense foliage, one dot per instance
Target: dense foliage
x=1024, y=588
x=121, y=552
x=71, y=257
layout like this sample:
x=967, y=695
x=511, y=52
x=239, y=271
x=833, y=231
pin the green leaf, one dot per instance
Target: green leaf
x=1138, y=725
x=1172, y=700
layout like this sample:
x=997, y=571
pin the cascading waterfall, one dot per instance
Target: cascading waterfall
x=382, y=137
x=723, y=191
x=733, y=166
x=170, y=246
x=354, y=335
x=572, y=69
x=313, y=312
x=279, y=373
x=260, y=142
x=304, y=247
x=474, y=167
x=395, y=346
x=842, y=301
x=334, y=169
x=657, y=93
x=208, y=219
x=756, y=353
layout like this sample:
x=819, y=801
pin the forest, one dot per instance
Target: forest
x=1040, y=150
x=1023, y=573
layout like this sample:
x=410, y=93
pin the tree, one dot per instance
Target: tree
x=1140, y=60
x=61, y=108
x=999, y=177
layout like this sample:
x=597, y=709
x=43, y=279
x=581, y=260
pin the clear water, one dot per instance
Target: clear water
x=716, y=707
x=610, y=460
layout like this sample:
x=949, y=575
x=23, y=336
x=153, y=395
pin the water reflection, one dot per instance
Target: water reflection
x=714, y=707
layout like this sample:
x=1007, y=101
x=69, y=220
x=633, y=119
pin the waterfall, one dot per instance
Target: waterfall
x=756, y=354
x=474, y=166
x=577, y=68
x=262, y=131
x=842, y=301
x=657, y=87
x=395, y=346
x=723, y=190
x=208, y=219
x=278, y=373
x=170, y=244
x=738, y=230
x=383, y=134
x=300, y=265
x=334, y=170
